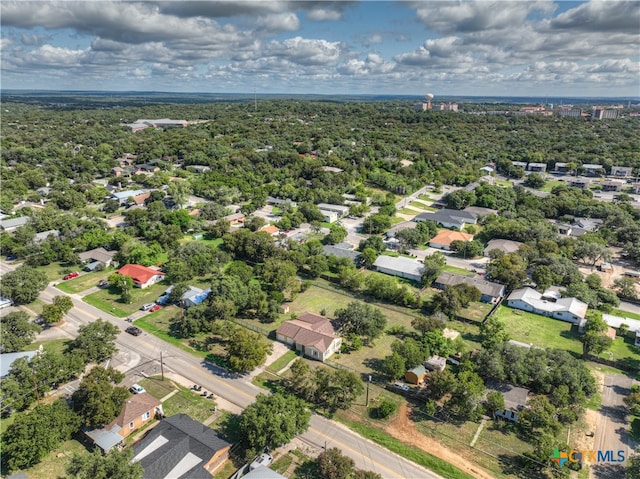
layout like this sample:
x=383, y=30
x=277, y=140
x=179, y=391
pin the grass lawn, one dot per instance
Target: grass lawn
x=213, y=241
x=282, y=361
x=551, y=184
x=504, y=183
x=157, y=387
x=52, y=345
x=425, y=197
x=408, y=211
x=190, y=403
x=539, y=330
x=108, y=299
x=35, y=306
x=395, y=220
x=84, y=281
x=455, y=269
x=624, y=314
x=476, y=311
x=55, y=271
x=624, y=350
x=52, y=465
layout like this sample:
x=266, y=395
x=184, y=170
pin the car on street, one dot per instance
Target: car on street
x=155, y=308
x=147, y=306
x=137, y=389
x=75, y=274
x=134, y=330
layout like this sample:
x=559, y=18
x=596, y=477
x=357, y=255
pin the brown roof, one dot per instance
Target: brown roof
x=309, y=330
x=135, y=407
x=140, y=199
x=97, y=254
x=446, y=237
x=271, y=229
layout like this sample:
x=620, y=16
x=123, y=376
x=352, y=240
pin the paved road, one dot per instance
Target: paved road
x=612, y=426
x=140, y=355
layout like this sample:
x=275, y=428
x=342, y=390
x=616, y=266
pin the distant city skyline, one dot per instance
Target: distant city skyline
x=517, y=48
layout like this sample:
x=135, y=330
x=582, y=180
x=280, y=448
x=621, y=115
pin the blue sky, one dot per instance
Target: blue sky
x=520, y=47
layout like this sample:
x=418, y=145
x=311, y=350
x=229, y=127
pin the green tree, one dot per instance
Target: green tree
x=247, y=350
x=594, y=340
x=509, y=269
x=114, y=464
x=394, y=366
x=17, y=331
x=632, y=401
x=332, y=464
x=376, y=224
x=336, y=234
x=98, y=400
x=33, y=435
x=179, y=191
x=534, y=180
x=493, y=333
x=51, y=313
x=385, y=409
x=362, y=319
x=97, y=340
x=122, y=283
x=633, y=465
x=540, y=416
x=626, y=288
x=433, y=266
x=63, y=302
x=495, y=402
x=368, y=257
x=272, y=420
x=23, y=284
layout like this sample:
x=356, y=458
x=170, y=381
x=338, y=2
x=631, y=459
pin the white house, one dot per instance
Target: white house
x=402, y=267
x=142, y=276
x=341, y=210
x=571, y=310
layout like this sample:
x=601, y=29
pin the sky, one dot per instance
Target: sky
x=473, y=48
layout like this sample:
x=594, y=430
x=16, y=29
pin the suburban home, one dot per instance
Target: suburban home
x=234, y=218
x=123, y=196
x=263, y=472
x=7, y=359
x=571, y=310
x=99, y=255
x=146, y=169
x=136, y=412
x=519, y=164
x=400, y=266
x=191, y=296
x=329, y=216
x=617, y=321
x=444, y=238
x=491, y=292
x=179, y=447
x=537, y=167
x=200, y=169
x=141, y=199
x=504, y=245
x=280, y=202
x=143, y=124
x=561, y=168
x=341, y=210
x=271, y=230
x=341, y=251
x=515, y=399
x=415, y=375
x=45, y=235
x=44, y=190
x=480, y=211
x=621, y=171
x=142, y=276
x=311, y=334
x=12, y=224
x=612, y=185
x=435, y=363
x=447, y=218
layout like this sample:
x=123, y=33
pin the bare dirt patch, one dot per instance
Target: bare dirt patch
x=403, y=428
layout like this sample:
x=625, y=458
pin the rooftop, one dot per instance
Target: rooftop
x=405, y=265
x=309, y=329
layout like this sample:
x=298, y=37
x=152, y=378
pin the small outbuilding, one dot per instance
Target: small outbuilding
x=435, y=363
x=415, y=375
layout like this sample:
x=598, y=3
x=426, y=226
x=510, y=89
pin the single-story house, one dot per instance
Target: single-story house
x=593, y=170
x=519, y=164
x=515, y=399
x=136, y=412
x=7, y=359
x=98, y=254
x=621, y=171
x=271, y=230
x=480, y=211
x=279, y=201
x=142, y=198
x=616, y=321
x=415, y=375
x=571, y=310
x=561, y=168
x=330, y=216
x=44, y=190
x=447, y=218
x=444, y=238
x=400, y=266
x=11, y=224
x=491, y=292
x=142, y=276
x=43, y=236
x=146, y=168
x=262, y=472
x=537, y=167
x=341, y=210
x=504, y=245
x=234, y=218
x=342, y=252
x=311, y=334
x=435, y=363
x=581, y=183
x=123, y=196
x=179, y=447
x=612, y=185
x=191, y=296
x=200, y=169
x=405, y=225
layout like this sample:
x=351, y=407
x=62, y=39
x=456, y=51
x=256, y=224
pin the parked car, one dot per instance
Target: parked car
x=75, y=274
x=263, y=460
x=137, y=389
x=155, y=308
x=147, y=306
x=103, y=283
x=133, y=330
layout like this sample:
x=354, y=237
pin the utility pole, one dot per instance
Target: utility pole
x=368, y=382
x=161, y=366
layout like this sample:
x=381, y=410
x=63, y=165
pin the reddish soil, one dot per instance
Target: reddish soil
x=403, y=428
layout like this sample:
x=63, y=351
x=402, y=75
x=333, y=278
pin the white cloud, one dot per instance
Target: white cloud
x=323, y=14
x=279, y=22
x=304, y=51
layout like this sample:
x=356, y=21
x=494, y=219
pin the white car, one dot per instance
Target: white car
x=263, y=460
x=137, y=389
x=147, y=306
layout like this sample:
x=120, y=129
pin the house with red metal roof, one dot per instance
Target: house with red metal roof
x=142, y=276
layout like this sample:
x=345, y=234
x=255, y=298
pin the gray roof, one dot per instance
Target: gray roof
x=504, y=245
x=178, y=447
x=331, y=250
x=105, y=439
x=97, y=254
x=14, y=222
x=488, y=288
x=400, y=264
x=480, y=210
x=7, y=359
x=616, y=321
x=263, y=473
x=514, y=397
x=40, y=237
x=448, y=216
x=126, y=194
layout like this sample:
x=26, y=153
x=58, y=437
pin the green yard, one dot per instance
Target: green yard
x=84, y=281
x=52, y=345
x=421, y=206
x=540, y=331
x=108, y=299
x=551, y=184
x=409, y=211
x=188, y=402
x=282, y=361
x=55, y=271
x=55, y=463
x=455, y=269
x=157, y=387
x=425, y=197
x=624, y=314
